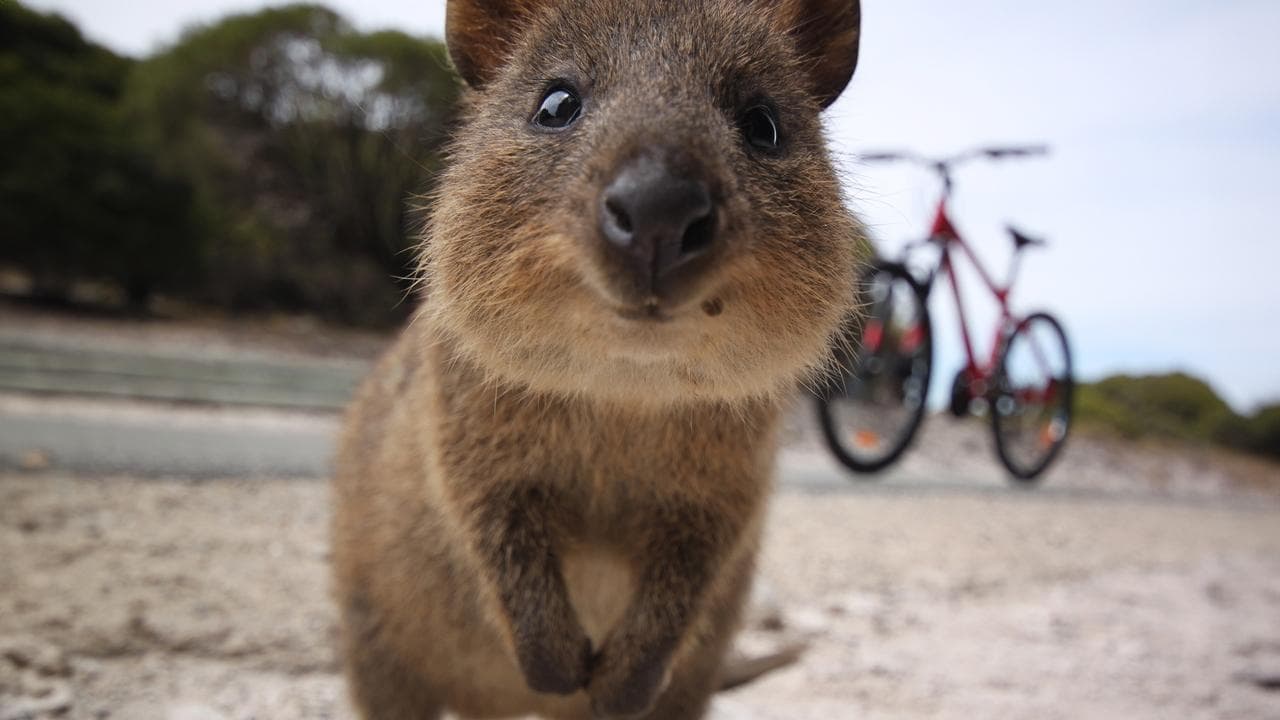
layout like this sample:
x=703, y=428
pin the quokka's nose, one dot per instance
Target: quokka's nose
x=656, y=221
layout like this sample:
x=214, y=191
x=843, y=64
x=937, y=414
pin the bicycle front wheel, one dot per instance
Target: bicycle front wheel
x=1032, y=396
x=870, y=413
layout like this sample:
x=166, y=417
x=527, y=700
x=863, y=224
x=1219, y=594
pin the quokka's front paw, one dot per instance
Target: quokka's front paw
x=624, y=686
x=554, y=661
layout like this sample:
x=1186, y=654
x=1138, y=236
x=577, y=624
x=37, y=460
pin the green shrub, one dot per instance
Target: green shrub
x=267, y=161
x=1258, y=433
x=79, y=198
x=304, y=141
x=1174, y=405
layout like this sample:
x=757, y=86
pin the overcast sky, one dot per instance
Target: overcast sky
x=1159, y=200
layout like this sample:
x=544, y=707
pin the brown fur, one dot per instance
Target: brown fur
x=541, y=505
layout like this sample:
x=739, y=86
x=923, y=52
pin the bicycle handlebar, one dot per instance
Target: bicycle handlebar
x=1016, y=151
x=883, y=157
x=943, y=164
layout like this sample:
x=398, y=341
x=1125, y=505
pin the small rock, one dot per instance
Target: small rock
x=193, y=711
x=1218, y=594
x=53, y=702
x=33, y=679
x=1269, y=681
x=28, y=652
x=34, y=460
x=764, y=612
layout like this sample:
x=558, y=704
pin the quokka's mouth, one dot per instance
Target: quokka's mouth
x=647, y=312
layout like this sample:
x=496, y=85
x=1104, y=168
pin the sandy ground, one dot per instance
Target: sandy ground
x=181, y=600
x=1137, y=582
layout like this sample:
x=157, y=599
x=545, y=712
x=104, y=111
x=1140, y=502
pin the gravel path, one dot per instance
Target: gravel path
x=1135, y=583
x=182, y=600
x=964, y=607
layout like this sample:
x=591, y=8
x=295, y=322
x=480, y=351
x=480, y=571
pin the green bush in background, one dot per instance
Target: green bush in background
x=265, y=162
x=79, y=198
x=1175, y=406
x=1258, y=433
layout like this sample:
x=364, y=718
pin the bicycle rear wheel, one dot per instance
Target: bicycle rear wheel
x=870, y=413
x=1032, y=396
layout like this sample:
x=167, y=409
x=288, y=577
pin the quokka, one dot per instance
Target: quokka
x=549, y=493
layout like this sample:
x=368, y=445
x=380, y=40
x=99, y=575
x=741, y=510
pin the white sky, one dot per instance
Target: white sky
x=1159, y=201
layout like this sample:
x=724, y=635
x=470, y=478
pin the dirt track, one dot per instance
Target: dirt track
x=177, y=600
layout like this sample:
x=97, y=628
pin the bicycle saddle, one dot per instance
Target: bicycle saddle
x=1022, y=240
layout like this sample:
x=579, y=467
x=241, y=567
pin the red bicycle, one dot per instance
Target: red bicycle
x=871, y=412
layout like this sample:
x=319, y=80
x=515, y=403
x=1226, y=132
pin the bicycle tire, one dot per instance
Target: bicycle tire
x=828, y=400
x=1001, y=389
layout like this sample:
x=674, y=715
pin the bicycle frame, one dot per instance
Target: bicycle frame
x=944, y=234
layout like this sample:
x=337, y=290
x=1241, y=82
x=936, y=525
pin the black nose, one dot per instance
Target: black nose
x=655, y=220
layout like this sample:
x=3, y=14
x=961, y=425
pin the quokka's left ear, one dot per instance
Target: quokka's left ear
x=826, y=33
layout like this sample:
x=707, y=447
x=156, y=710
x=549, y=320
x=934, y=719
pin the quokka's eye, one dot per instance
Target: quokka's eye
x=559, y=109
x=759, y=128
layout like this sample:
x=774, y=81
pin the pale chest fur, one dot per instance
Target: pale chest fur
x=611, y=470
x=601, y=584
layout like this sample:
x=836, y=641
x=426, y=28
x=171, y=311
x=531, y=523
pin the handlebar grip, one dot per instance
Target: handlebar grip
x=883, y=156
x=1023, y=151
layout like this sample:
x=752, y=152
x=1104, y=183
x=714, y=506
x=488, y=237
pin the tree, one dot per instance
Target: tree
x=304, y=142
x=78, y=198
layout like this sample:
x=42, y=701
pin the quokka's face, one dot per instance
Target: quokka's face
x=640, y=206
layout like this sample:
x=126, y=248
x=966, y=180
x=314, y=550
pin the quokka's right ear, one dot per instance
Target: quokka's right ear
x=827, y=34
x=481, y=33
